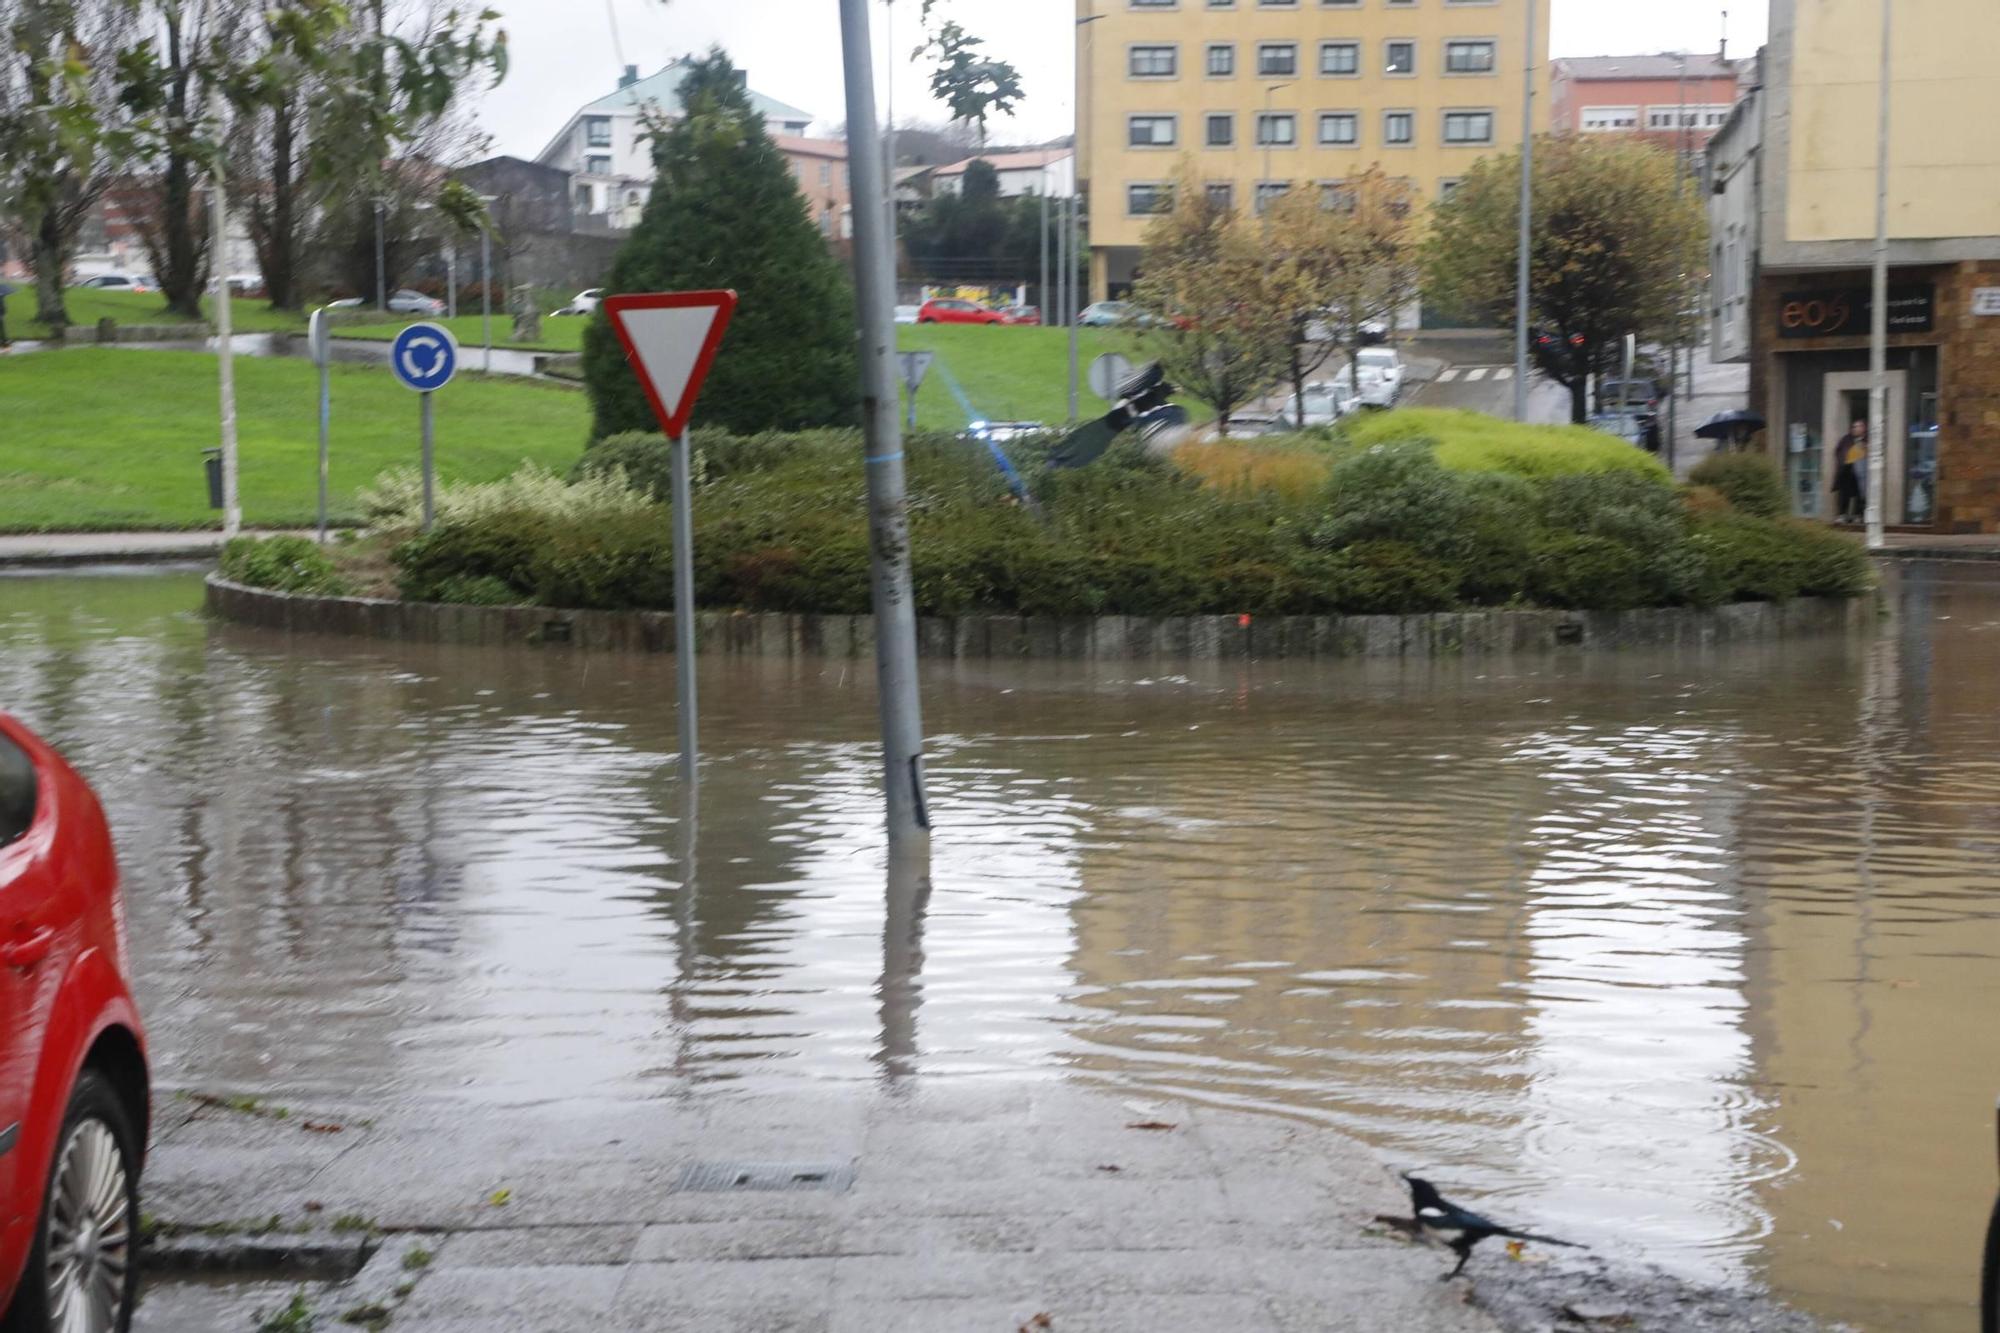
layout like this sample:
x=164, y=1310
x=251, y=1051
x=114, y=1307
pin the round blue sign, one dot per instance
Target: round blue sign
x=424, y=356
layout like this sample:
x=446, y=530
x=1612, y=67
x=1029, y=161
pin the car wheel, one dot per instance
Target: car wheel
x=1989, y=1287
x=83, y=1272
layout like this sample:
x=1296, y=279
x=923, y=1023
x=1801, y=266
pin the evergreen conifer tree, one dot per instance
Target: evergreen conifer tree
x=726, y=212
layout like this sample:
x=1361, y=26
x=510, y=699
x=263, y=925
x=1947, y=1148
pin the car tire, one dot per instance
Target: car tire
x=1989, y=1286
x=96, y=1124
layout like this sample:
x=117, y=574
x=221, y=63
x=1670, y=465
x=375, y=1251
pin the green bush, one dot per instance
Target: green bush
x=1750, y=482
x=1373, y=578
x=1588, y=572
x=1763, y=559
x=286, y=564
x=1474, y=442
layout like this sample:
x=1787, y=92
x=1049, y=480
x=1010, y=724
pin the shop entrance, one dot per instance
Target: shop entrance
x=1846, y=402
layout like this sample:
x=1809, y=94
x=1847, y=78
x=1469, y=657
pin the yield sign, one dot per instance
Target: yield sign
x=670, y=338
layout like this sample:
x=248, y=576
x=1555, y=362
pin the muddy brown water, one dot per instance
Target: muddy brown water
x=1691, y=955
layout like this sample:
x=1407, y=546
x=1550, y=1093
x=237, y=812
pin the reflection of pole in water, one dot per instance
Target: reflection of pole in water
x=687, y=955
x=900, y=991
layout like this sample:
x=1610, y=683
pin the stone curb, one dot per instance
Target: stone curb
x=336, y=1257
x=1094, y=638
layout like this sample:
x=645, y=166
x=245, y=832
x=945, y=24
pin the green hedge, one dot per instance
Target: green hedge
x=287, y=564
x=1750, y=482
x=781, y=526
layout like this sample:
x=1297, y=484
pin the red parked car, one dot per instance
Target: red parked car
x=951, y=310
x=74, y=1090
x=1021, y=314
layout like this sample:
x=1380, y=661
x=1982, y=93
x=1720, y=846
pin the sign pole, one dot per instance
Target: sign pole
x=684, y=647
x=318, y=342
x=888, y=517
x=430, y=469
x=1873, y=511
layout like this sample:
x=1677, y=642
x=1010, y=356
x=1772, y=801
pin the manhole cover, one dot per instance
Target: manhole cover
x=736, y=1177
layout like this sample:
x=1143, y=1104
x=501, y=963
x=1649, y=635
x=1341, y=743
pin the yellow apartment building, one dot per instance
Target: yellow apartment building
x=1274, y=95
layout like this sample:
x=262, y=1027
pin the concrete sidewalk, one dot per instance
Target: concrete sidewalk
x=90, y=548
x=975, y=1204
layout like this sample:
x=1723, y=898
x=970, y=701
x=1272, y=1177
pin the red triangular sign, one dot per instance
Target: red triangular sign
x=670, y=338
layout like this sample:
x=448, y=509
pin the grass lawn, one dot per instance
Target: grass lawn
x=99, y=439
x=87, y=305
x=559, y=333
x=1007, y=372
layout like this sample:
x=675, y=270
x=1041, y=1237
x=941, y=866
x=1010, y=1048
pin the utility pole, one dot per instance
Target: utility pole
x=1042, y=292
x=1878, y=323
x=1527, y=225
x=218, y=247
x=1674, y=381
x=888, y=519
x=1070, y=314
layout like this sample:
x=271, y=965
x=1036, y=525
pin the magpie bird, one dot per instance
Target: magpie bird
x=1440, y=1214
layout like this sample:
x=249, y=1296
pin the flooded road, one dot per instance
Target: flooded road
x=1690, y=956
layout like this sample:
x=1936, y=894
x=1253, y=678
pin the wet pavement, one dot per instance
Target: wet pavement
x=1691, y=955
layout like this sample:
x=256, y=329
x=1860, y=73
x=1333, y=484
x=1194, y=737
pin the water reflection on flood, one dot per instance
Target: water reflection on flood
x=1694, y=954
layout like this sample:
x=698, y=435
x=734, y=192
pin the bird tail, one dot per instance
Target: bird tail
x=1546, y=1240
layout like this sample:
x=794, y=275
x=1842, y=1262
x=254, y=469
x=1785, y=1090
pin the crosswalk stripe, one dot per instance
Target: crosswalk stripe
x=1476, y=373
x=1448, y=376
x=1504, y=373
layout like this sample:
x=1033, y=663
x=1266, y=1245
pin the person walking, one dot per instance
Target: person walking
x=1850, y=473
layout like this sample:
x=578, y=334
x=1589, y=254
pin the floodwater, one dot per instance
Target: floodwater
x=1692, y=956
x=347, y=351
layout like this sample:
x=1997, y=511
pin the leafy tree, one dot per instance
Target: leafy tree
x=726, y=212
x=63, y=133
x=973, y=85
x=981, y=183
x=1344, y=262
x=1219, y=328
x=1614, y=242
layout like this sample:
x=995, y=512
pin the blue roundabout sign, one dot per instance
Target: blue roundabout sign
x=424, y=357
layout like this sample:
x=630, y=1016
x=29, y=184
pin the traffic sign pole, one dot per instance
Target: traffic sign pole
x=684, y=645
x=316, y=342
x=430, y=468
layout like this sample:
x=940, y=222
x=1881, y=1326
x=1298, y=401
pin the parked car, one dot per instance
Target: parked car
x=1327, y=401
x=1989, y=1284
x=583, y=303
x=1616, y=395
x=907, y=314
x=1381, y=370
x=1252, y=422
x=117, y=282
x=951, y=310
x=407, y=302
x=1020, y=314
x=1635, y=428
x=74, y=1099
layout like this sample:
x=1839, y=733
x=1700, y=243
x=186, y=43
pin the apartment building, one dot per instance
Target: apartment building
x=1677, y=101
x=1267, y=96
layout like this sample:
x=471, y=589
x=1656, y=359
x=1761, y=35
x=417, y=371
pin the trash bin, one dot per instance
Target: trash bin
x=211, y=463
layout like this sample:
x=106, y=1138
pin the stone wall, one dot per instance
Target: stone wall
x=1447, y=634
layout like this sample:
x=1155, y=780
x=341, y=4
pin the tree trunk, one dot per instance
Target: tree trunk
x=1298, y=387
x=51, y=260
x=1579, y=400
x=281, y=281
x=180, y=276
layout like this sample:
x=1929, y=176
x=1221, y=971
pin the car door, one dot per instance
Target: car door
x=28, y=894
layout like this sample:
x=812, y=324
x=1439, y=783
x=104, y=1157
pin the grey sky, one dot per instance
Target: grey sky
x=563, y=54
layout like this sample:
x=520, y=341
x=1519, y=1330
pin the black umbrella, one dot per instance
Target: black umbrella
x=1736, y=427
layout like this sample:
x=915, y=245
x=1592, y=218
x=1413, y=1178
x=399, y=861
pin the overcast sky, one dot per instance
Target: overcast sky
x=564, y=53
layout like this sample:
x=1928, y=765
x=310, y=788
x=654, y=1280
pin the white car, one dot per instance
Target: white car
x=1327, y=401
x=1381, y=376
x=117, y=282
x=407, y=302
x=583, y=303
x=907, y=314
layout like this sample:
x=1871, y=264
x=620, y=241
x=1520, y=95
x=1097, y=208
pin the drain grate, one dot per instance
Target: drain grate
x=744, y=1177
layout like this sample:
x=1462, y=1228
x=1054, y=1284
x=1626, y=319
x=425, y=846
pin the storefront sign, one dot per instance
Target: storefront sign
x=1844, y=313
x=1986, y=300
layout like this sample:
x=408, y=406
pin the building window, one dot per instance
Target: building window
x=1153, y=62
x=826, y=173
x=1694, y=117
x=1336, y=198
x=1399, y=57
x=1222, y=196
x=1339, y=129
x=597, y=131
x=1278, y=4
x=597, y=165
x=1468, y=127
x=1222, y=60
x=1468, y=57
x=1270, y=192
x=1151, y=131
x=1277, y=129
x=1607, y=119
x=1446, y=189
x=1399, y=128
x=1155, y=4
x=1277, y=59
x=1221, y=130
x=1341, y=4
x=1340, y=59
x=1222, y=4
x=1149, y=199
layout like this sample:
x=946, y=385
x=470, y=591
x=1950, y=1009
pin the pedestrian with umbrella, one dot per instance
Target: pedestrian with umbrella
x=1733, y=428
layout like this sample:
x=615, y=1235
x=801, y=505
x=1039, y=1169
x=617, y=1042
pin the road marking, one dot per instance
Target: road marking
x=1504, y=373
x=1447, y=376
x=1476, y=373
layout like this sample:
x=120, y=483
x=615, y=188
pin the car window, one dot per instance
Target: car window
x=17, y=791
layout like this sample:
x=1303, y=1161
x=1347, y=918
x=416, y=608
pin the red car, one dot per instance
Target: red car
x=1021, y=314
x=951, y=310
x=74, y=1091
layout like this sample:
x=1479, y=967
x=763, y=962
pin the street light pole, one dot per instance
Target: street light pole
x=1878, y=323
x=225, y=362
x=1263, y=133
x=1074, y=245
x=888, y=518
x=1526, y=231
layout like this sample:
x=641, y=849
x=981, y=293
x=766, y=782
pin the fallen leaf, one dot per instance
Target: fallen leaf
x=1612, y=1315
x=314, y=1205
x=1039, y=1321
x=321, y=1127
x=1113, y=1169
x=1149, y=1124
x=1515, y=1249
x=500, y=1197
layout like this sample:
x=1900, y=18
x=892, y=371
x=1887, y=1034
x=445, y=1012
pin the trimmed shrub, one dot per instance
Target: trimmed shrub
x=1588, y=572
x=1763, y=559
x=1750, y=482
x=1374, y=578
x=1394, y=493
x=490, y=549
x=1473, y=442
x=285, y=564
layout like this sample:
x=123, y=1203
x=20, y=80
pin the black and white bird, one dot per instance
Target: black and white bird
x=1434, y=1212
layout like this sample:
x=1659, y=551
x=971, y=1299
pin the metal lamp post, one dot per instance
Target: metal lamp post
x=1526, y=223
x=1878, y=323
